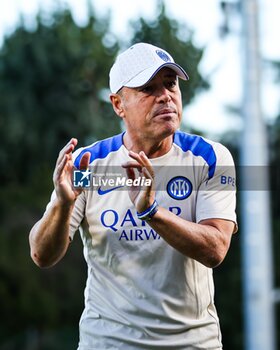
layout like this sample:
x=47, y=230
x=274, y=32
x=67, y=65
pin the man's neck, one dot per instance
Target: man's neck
x=152, y=148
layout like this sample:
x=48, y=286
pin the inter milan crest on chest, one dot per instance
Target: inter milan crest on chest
x=179, y=188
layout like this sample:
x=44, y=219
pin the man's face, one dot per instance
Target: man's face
x=153, y=110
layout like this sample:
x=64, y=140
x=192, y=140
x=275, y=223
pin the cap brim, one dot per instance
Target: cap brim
x=145, y=76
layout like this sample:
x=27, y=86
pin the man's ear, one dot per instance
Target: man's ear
x=117, y=104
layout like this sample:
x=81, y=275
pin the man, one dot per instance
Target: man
x=150, y=246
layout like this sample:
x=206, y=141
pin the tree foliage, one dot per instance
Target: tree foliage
x=177, y=39
x=50, y=82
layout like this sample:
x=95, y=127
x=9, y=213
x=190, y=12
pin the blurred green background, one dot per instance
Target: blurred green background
x=54, y=86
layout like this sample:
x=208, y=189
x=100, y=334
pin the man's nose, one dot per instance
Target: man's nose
x=164, y=95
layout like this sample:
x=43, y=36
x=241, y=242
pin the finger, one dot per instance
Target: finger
x=147, y=174
x=135, y=156
x=149, y=188
x=130, y=173
x=67, y=149
x=84, y=162
x=142, y=159
x=132, y=164
x=147, y=163
x=60, y=167
x=70, y=145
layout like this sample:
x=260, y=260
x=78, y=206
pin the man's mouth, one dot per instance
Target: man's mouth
x=164, y=112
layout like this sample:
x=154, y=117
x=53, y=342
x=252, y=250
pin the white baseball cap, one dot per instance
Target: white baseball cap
x=139, y=64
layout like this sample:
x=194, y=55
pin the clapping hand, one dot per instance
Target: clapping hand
x=141, y=196
x=62, y=176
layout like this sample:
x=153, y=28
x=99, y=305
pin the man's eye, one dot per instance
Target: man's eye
x=146, y=89
x=171, y=84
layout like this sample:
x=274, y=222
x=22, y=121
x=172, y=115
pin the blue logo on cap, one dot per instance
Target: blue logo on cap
x=163, y=56
x=179, y=188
